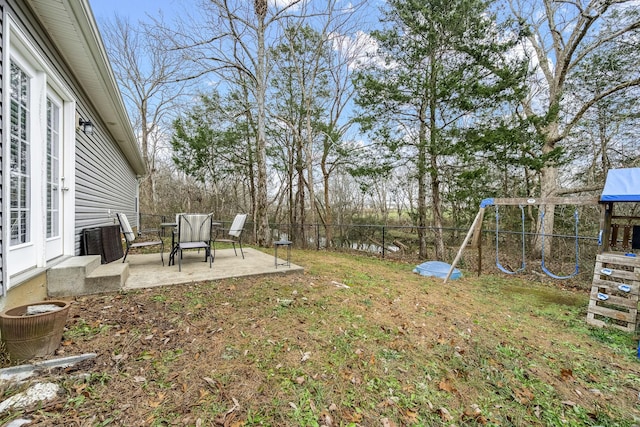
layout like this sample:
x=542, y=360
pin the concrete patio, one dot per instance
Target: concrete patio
x=146, y=271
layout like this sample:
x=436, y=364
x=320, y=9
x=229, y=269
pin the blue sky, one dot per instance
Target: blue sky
x=134, y=9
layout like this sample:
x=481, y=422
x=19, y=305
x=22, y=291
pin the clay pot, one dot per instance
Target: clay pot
x=26, y=336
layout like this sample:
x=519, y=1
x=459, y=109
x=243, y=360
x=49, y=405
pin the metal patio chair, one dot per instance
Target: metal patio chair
x=194, y=232
x=234, y=233
x=130, y=237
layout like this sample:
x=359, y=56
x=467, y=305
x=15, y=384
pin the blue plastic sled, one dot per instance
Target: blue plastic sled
x=437, y=269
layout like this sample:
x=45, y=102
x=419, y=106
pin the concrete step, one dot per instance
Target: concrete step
x=84, y=275
x=67, y=278
x=107, y=278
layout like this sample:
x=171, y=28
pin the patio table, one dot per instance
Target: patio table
x=169, y=225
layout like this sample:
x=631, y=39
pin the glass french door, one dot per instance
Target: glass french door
x=53, y=191
x=36, y=157
x=22, y=251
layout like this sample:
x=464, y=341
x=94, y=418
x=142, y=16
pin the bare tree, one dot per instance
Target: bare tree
x=313, y=64
x=231, y=37
x=561, y=36
x=148, y=74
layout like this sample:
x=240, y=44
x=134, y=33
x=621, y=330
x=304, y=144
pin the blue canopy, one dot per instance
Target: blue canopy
x=622, y=185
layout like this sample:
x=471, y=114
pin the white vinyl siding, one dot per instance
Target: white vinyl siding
x=105, y=183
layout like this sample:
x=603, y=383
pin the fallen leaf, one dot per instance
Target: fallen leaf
x=211, y=382
x=472, y=411
x=524, y=395
x=566, y=374
x=595, y=392
x=568, y=403
x=326, y=419
x=119, y=357
x=306, y=356
x=444, y=414
x=353, y=417
x=445, y=385
x=411, y=417
x=386, y=422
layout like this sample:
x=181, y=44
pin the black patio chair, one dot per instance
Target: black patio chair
x=130, y=237
x=194, y=232
x=235, y=234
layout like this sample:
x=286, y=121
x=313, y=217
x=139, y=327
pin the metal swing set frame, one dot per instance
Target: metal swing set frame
x=476, y=227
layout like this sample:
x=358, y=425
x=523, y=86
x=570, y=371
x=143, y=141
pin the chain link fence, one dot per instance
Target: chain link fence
x=569, y=255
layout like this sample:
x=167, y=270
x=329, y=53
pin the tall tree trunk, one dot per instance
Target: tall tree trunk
x=299, y=235
x=548, y=188
x=421, y=169
x=436, y=204
x=434, y=173
x=263, y=234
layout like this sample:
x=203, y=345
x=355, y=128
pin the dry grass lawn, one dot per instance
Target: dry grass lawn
x=354, y=341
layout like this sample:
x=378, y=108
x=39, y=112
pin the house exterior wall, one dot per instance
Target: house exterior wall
x=104, y=184
x=103, y=181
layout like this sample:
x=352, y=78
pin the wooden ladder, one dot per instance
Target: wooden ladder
x=614, y=292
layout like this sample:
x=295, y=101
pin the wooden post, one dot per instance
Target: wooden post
x=477, y=241
x=477, y=222
x=605, y=228
x=480, y=256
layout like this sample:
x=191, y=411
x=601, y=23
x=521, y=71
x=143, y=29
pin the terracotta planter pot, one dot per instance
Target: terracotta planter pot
x=34, y=335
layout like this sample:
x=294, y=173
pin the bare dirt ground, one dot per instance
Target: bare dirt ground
x=352, y=341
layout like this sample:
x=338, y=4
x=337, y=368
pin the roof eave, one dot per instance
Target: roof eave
x=86, y=55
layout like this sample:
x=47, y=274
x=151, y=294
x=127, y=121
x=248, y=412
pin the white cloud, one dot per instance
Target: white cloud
x=359, y=50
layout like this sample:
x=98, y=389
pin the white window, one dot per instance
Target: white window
x=20, y=173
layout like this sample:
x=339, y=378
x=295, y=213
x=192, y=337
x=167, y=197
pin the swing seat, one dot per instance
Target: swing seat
x=437, y=269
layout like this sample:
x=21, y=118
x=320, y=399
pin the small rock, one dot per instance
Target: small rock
x=37, y=393
x=18, y=423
